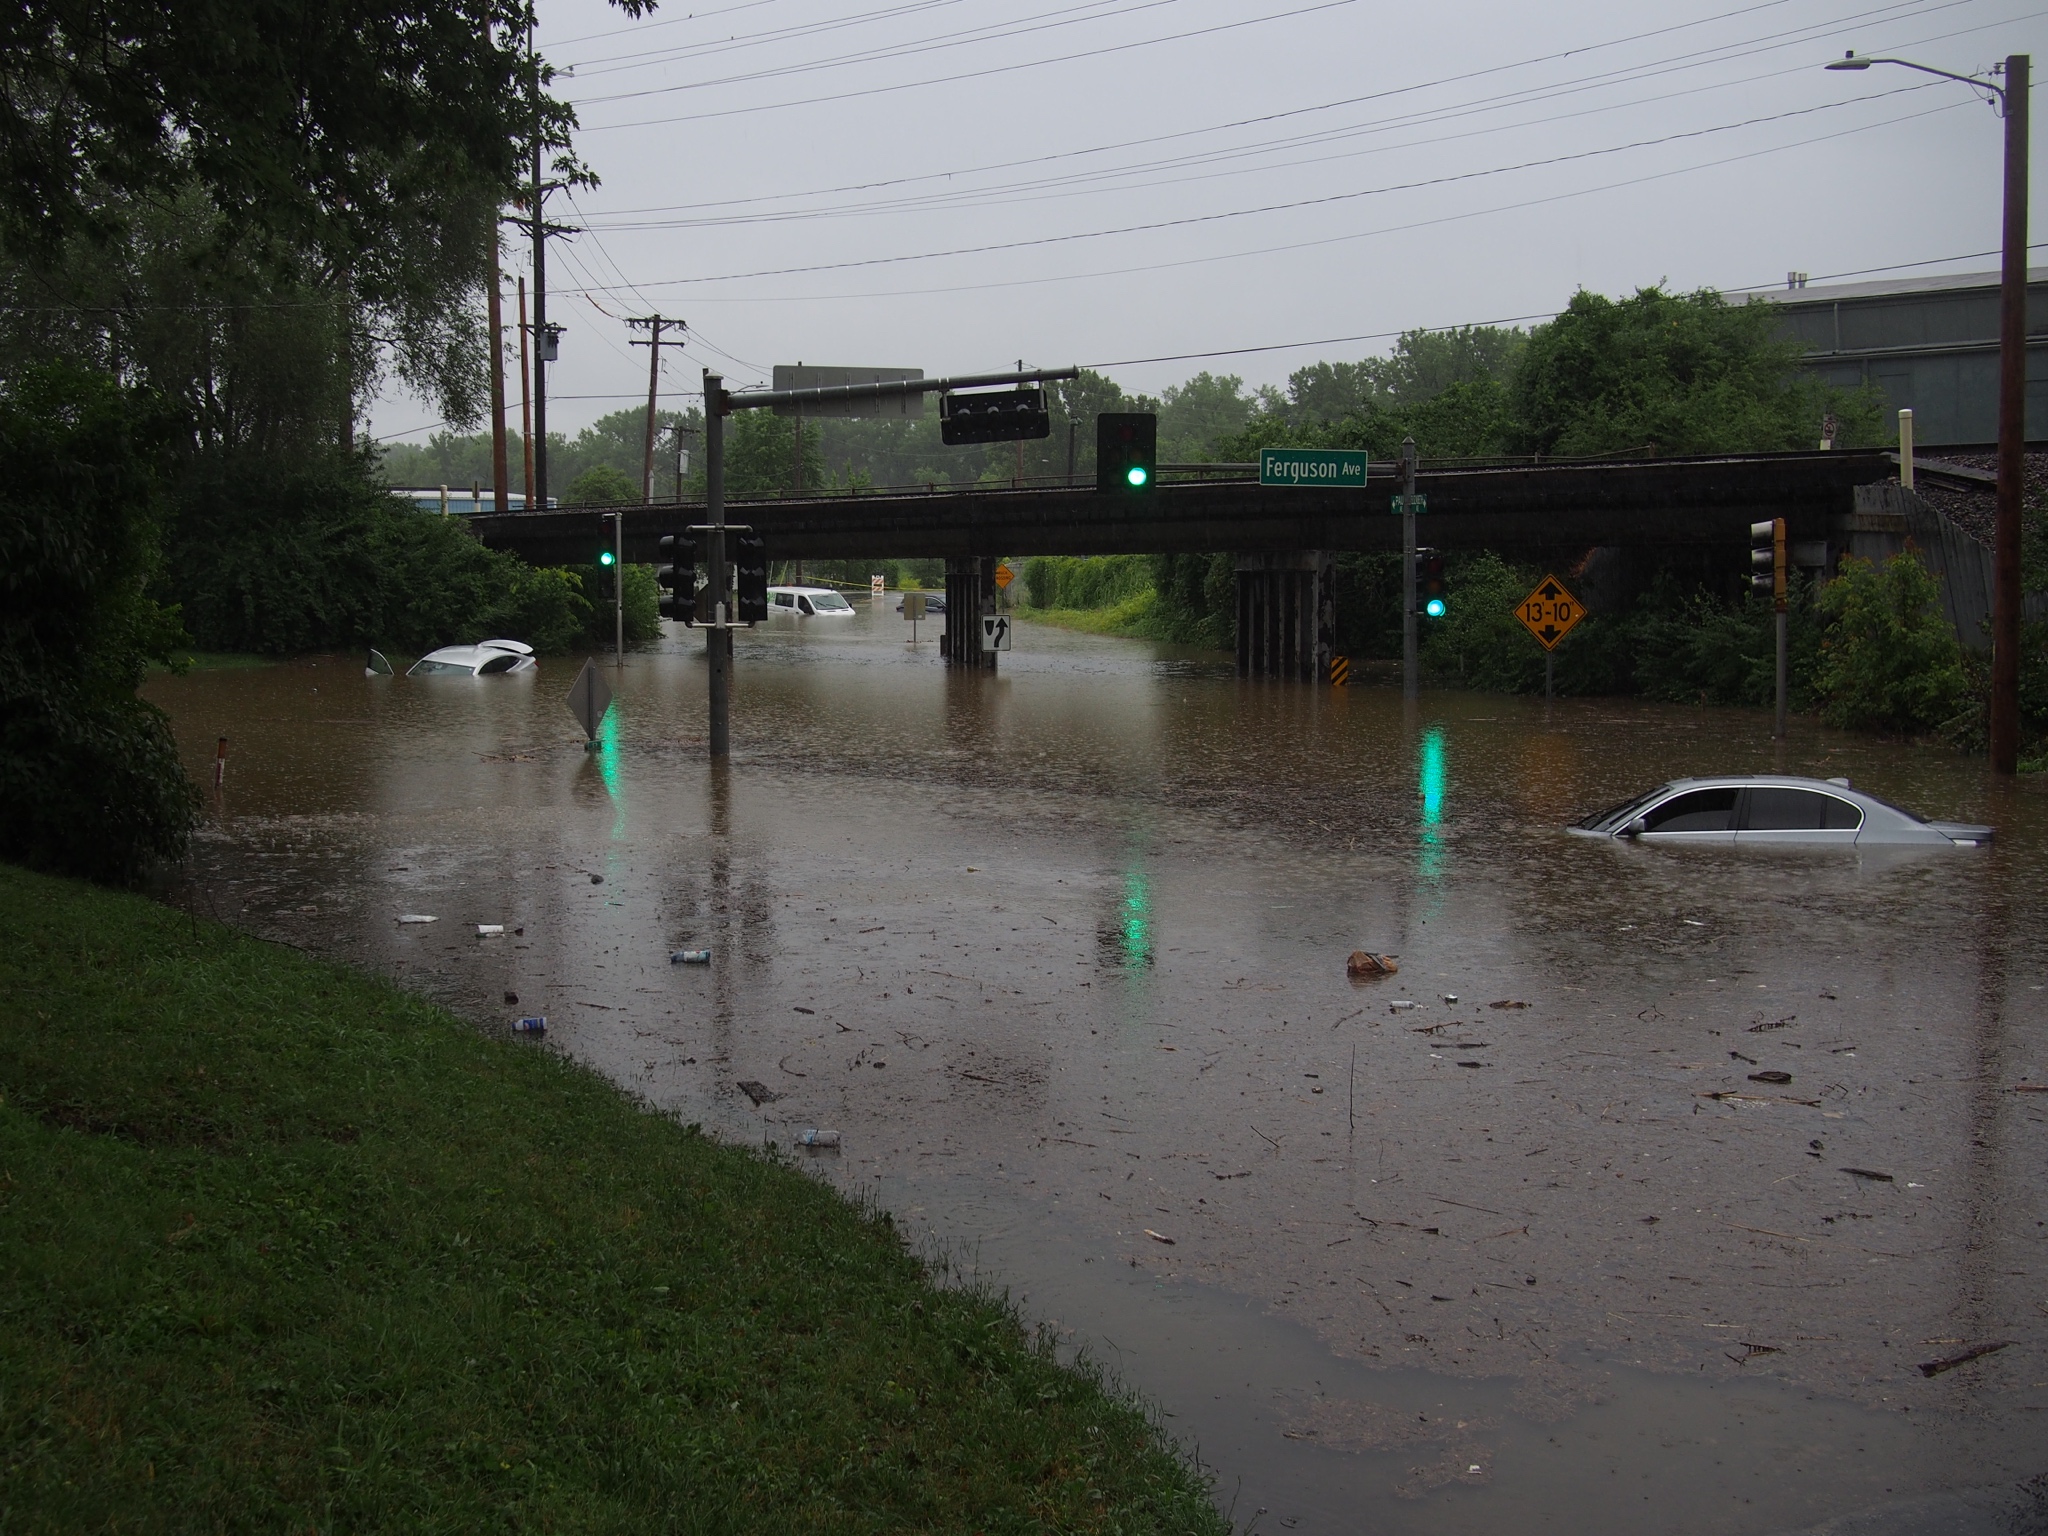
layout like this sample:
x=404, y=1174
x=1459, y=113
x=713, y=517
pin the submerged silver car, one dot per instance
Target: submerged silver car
x=1760, y=808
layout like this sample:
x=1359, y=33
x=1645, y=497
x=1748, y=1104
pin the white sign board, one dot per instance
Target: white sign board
x=995, y=632
x=876, y=586
x=801, y=376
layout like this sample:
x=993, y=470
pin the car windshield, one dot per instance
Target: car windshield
x=430, y=668
x=830, y=602
x=1623, y=812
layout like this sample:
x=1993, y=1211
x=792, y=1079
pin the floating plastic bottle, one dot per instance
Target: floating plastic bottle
x=811, y=1136
x=690, y=957
x=535, y=1025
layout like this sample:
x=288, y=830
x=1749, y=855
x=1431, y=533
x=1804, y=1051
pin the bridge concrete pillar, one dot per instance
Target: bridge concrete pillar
x=1286, y=615
x=970, y=588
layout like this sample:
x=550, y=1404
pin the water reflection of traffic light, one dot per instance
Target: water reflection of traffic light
x=1124, y=939
x=1432, y=775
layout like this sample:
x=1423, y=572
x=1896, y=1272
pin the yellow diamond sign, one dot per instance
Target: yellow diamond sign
x=1549, y=612
x=1004, y=576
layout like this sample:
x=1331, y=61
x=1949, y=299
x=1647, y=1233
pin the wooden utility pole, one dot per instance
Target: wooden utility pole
x=501, y=492
x=2006, y=596
x=653, y=325
x=525, y=396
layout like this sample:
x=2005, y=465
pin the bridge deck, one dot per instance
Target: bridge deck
x=1526, y=509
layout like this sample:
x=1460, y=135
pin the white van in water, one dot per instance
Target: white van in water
x=808, y=603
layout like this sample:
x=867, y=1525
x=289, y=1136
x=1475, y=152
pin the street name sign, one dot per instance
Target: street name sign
x=1004, y=576
x=589, y=697
x=995, y=632
x=1549, y=612
x=1319, y=468
x=1415, y=504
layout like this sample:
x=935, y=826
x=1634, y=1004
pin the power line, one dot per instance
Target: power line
x=1045, y=21
x=1015, y=192
x=1041, y=241
x=979, y=74
x=643, y=58
x=1244, y=122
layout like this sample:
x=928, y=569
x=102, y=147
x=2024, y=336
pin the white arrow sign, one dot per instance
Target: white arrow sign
x=995, y=632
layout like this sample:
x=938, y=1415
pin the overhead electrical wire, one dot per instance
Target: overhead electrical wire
x=978, y=74
x=1053, y=190
x=645, y=58
x=1805, y=31
x=1002, y=31
x=1042, y=241
x=1264, y=117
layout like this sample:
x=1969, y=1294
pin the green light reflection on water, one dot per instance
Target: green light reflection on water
x=609, y=769
x=1136, y=932
x=1433, y=773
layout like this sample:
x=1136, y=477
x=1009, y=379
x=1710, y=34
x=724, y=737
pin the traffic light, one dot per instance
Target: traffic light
x=677, y=577
x=999, y=416
x=1767, y=559
x=1126, y=451
x=750, y=574
x=607, y=572
x=1431, y=588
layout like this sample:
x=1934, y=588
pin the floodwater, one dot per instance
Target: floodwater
x=1060, y=952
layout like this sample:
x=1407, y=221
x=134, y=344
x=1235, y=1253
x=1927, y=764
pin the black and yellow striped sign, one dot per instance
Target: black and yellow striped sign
x=1340, y=671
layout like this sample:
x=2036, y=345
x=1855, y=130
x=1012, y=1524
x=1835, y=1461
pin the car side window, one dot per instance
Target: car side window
x=501, y=663
x=784, y=600
x=803, y=605
x=1774, y=808
x=1698, y=810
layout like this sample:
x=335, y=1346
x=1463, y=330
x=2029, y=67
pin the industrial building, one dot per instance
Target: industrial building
x=1930, y=343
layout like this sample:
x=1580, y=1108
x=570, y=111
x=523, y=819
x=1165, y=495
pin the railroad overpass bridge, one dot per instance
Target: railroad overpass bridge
x=1552, y=512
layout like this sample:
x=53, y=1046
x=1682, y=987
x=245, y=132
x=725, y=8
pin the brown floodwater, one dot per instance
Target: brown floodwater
x=1060, y=953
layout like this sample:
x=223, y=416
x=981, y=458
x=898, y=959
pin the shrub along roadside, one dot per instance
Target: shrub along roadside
x=89, y=773
x=282, y=1247
x=312, y=554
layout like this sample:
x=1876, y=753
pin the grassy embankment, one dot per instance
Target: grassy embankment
x=282, y=1247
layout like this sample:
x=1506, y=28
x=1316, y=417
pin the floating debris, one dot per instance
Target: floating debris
x=1364, y=963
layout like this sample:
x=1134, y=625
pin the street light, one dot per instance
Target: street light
x=2010, y=101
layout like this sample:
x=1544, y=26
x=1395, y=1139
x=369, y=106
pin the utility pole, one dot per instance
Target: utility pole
x=1411, y=678
x=525, y=397
x=537, y=497
x=2012, y=428
x=2010, y=100
x=653, y=325
x=501, y=492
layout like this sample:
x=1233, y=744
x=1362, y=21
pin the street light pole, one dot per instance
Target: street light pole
x=2011, y=103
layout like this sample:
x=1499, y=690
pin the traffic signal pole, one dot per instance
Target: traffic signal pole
x=718, y=404
x=1411, y=677
x=720, y=639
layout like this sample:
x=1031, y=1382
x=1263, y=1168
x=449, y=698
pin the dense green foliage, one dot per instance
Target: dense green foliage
x=313, y=554
x=88, y=771
x=601, y=486
x=283, y=1248
x=1890, y=661
x=1673, y=373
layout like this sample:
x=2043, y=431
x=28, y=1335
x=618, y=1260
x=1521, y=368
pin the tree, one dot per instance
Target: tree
x=760, y=453
x=1890, y=661
x=1423, y=365
x=1685, y=373
x=601, y=486
x=88, y=771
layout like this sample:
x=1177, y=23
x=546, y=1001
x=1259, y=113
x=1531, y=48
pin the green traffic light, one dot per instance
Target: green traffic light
x=1434, y=607
x=606, y=558
x=1136, y=474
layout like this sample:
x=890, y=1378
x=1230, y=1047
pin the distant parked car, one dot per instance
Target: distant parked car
x=808, y=603
x=934, y=603
x=1750, y=809
x=479, y=660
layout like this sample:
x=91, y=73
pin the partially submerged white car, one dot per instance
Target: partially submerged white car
x=480, y=660
x=808, y=603
x=1751, y=809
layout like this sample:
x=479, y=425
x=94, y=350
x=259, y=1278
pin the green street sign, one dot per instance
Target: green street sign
x=1318, y=468
x=1415, y=504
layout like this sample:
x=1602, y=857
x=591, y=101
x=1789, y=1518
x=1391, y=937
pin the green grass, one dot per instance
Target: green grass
x=1130, y=618
x=283, y=1248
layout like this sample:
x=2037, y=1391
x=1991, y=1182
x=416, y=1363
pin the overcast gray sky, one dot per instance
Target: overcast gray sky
x=957, y=184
